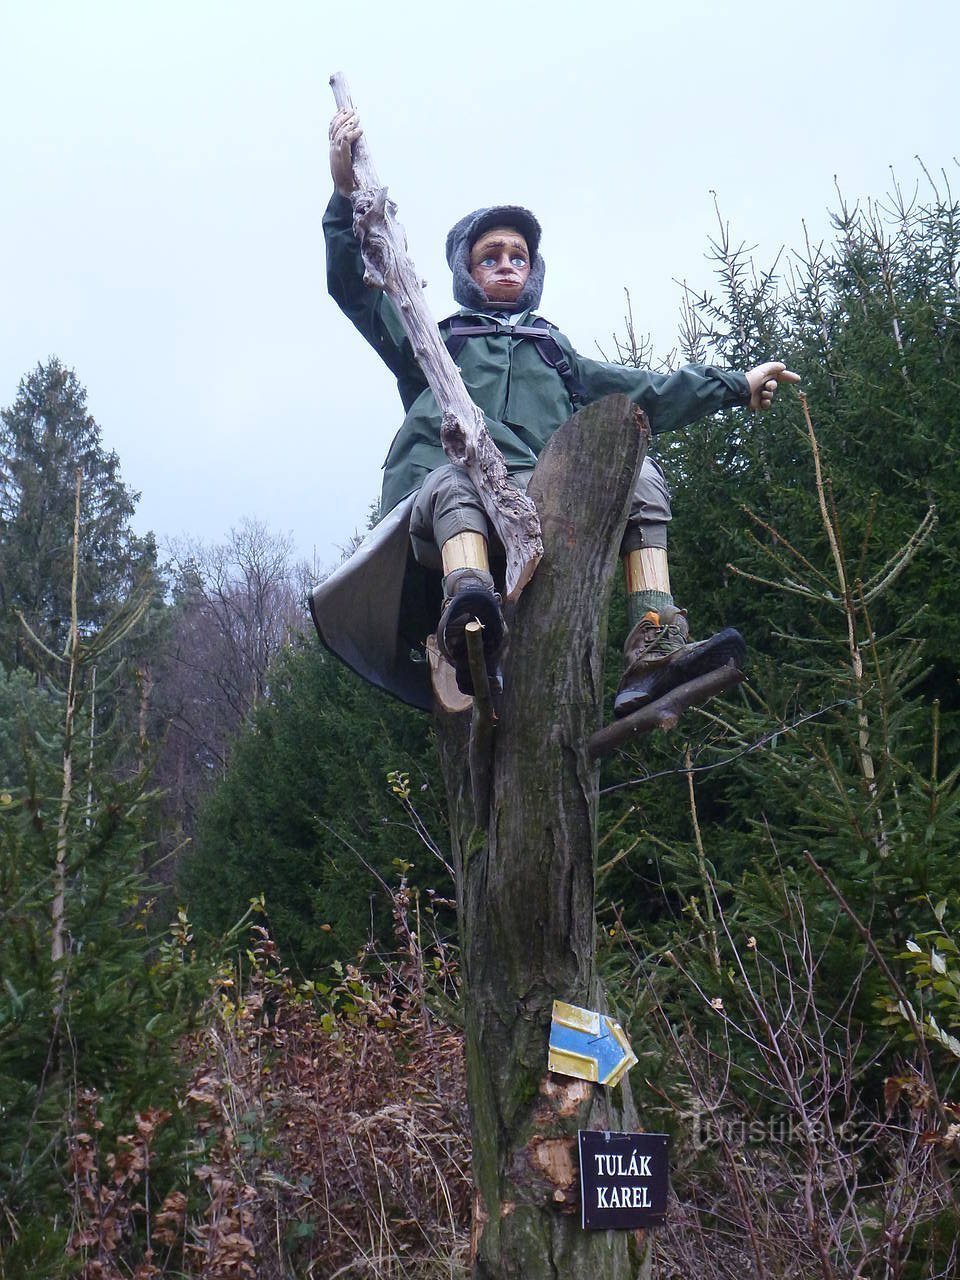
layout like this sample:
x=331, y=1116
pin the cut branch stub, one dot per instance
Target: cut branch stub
x=463, y=432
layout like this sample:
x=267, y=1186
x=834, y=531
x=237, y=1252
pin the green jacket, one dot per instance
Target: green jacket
x=522, y=398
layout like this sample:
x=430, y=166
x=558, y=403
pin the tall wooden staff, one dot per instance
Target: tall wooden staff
x=463, y=432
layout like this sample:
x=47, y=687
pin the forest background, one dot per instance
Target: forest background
x=229, y=1002
x=229, y=1024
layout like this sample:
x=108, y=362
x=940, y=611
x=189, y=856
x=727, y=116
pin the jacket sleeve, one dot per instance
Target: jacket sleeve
x=670, y=400
x=370, y=310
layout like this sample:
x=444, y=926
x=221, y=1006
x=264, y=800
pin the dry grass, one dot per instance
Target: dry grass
x=330, y=1132
x=340, y=1135
x=785, y=1165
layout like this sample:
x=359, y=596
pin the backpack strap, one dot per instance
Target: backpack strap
x=457, y=329
x=552, y=353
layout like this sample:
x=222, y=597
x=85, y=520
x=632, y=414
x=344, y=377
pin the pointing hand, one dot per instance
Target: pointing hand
x=764, y=380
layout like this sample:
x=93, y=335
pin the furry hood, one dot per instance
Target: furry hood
x=464, y=235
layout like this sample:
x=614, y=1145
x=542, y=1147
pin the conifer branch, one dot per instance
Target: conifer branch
x=784, y=542
x=831, y=528
x=892, y=570
x=764, y=740
x=35, y=639
x=795, y=588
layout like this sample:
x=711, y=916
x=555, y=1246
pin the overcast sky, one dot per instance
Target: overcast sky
x=164, y=173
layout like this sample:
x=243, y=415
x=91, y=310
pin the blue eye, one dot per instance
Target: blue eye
x=518, y=260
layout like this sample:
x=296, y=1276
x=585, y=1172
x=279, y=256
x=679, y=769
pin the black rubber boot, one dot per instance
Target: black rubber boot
x=469, y=595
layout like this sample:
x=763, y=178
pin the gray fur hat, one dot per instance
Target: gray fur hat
x=465, y=234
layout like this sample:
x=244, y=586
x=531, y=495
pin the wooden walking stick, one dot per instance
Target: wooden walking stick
x=463, y=432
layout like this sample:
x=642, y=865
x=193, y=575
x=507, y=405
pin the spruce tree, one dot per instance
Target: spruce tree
x=306, y=813
x=46, y=436
x=92, y=1003
x=797, y=840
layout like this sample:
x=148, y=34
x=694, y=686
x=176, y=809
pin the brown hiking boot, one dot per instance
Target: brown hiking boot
x=659, y=656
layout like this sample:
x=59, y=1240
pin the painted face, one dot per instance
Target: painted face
x=500, y=264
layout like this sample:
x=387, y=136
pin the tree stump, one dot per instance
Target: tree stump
x=525, y=847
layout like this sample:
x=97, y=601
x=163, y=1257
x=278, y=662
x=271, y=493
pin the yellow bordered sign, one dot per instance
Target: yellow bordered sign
x=588, y=1045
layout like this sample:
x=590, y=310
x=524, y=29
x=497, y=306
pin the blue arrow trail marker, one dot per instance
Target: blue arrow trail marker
x=588, y=1045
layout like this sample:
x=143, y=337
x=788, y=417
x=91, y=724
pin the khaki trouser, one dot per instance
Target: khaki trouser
x=448, y=504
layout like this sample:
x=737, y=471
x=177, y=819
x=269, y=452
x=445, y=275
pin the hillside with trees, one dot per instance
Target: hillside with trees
x=230, y=1030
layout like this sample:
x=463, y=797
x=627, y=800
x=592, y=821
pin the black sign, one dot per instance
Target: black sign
x=623, y=1179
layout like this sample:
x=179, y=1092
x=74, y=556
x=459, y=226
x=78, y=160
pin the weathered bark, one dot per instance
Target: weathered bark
x=525, y=871
x=463, y=433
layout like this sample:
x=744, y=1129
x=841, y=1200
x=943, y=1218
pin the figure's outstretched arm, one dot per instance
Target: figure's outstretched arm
x=370, y=310
x=670, y=400
x=677, y=399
